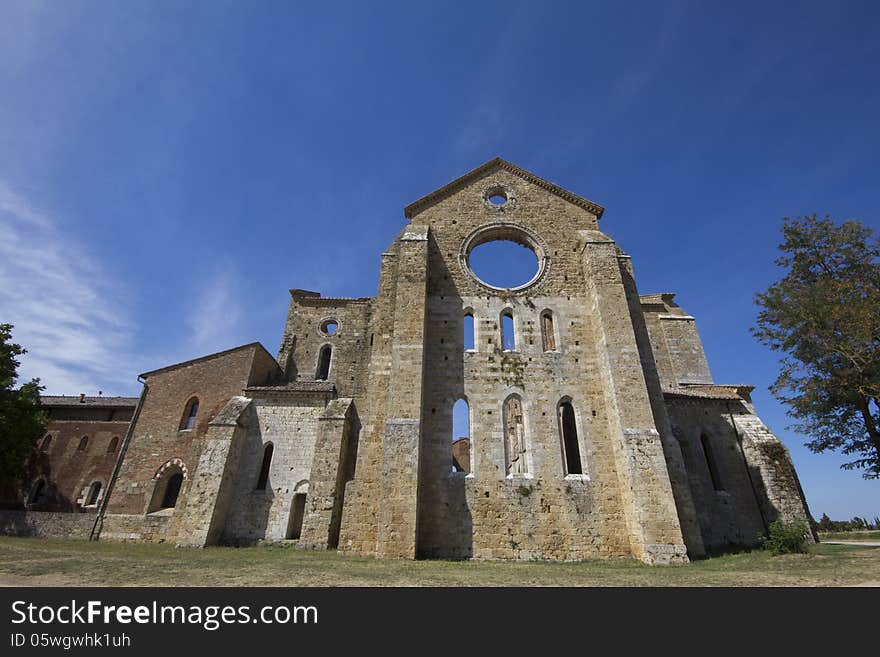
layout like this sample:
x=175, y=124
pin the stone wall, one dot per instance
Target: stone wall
x=288, y=420
x=46, y=524
x=727, y=508
x=152, y=528
x=776, y=482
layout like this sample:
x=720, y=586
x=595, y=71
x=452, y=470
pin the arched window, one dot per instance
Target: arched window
x=548, y=335
x=38, y=492
x=469, y=341
x=166, y=485
x=188, y=421
x=83, y=444
x=94, y=491
x=461, y=437
x=172, y=490
x=515, y=436
x=264, y=468
x=508, y=339
x=711, y=464
x=114, y=443
x=324, y=363
x=570, y=448
x=47, y=442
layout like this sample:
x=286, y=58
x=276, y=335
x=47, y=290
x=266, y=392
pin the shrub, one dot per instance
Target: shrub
x=787, y=537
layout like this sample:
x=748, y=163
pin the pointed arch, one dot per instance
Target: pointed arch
x=38, y=492
x=508, y=331
x=461, y=436
x=93, y=494
x=190, y=411
x=83, y=444
x=263, y=479
x=114, y=443
x=469, y=331
x=711, y=463
x=515, y=439
x=297, y=510
x=548, y=331
x=568, y=435
x=167, y=484
x=322, y=373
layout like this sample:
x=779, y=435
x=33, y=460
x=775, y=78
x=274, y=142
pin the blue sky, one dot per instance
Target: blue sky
x=169, y=170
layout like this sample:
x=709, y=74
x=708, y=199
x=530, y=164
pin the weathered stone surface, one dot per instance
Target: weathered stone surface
x=598, y=433
x=47, y=524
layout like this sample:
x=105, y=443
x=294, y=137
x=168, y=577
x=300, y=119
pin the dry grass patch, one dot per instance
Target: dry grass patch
x=51, y=562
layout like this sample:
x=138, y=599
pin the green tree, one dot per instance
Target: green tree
x=21, y=420
x=824, y=315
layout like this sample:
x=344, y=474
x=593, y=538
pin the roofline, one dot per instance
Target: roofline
x=718, y=391
x=664, y=297
x=305, y=297
x=208, y=357
x=88, y=401
x=413, y=208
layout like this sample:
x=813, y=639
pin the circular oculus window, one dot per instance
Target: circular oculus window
x=329, y=327
x=504, y=257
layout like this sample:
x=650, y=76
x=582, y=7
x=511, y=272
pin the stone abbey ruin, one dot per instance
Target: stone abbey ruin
x=595, y=427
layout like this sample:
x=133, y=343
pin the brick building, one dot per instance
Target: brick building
x=595, y=427
x=70, y=467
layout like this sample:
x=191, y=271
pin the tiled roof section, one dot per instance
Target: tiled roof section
x=185, y=363
x=711, y=391
x=317, y=300
x=56, y=401
x=297, y=386
x=413, y=208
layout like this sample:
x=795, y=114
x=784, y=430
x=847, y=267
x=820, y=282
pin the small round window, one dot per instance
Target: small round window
x=329, y=327
x=496, y=197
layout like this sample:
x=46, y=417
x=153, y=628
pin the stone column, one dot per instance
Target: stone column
x=202, y=519
x=320, y=528
x=646, y=493
x=398, y=510
x=771, y=471
x=678, y=477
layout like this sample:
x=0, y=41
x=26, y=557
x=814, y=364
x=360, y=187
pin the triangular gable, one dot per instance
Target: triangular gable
x=414, y=208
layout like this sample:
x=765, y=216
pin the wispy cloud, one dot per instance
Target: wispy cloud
x=67, y=313
x=215, y=319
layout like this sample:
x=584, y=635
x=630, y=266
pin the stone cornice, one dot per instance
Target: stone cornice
x=328, y=301
x=417, y=206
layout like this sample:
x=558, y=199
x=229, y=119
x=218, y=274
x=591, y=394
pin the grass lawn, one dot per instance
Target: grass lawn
x=53, y=562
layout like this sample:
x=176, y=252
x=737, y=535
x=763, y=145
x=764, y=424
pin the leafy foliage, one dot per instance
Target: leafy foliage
x=787, y=537
x=826, y=524
x=825, y=316
x=21, y=420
